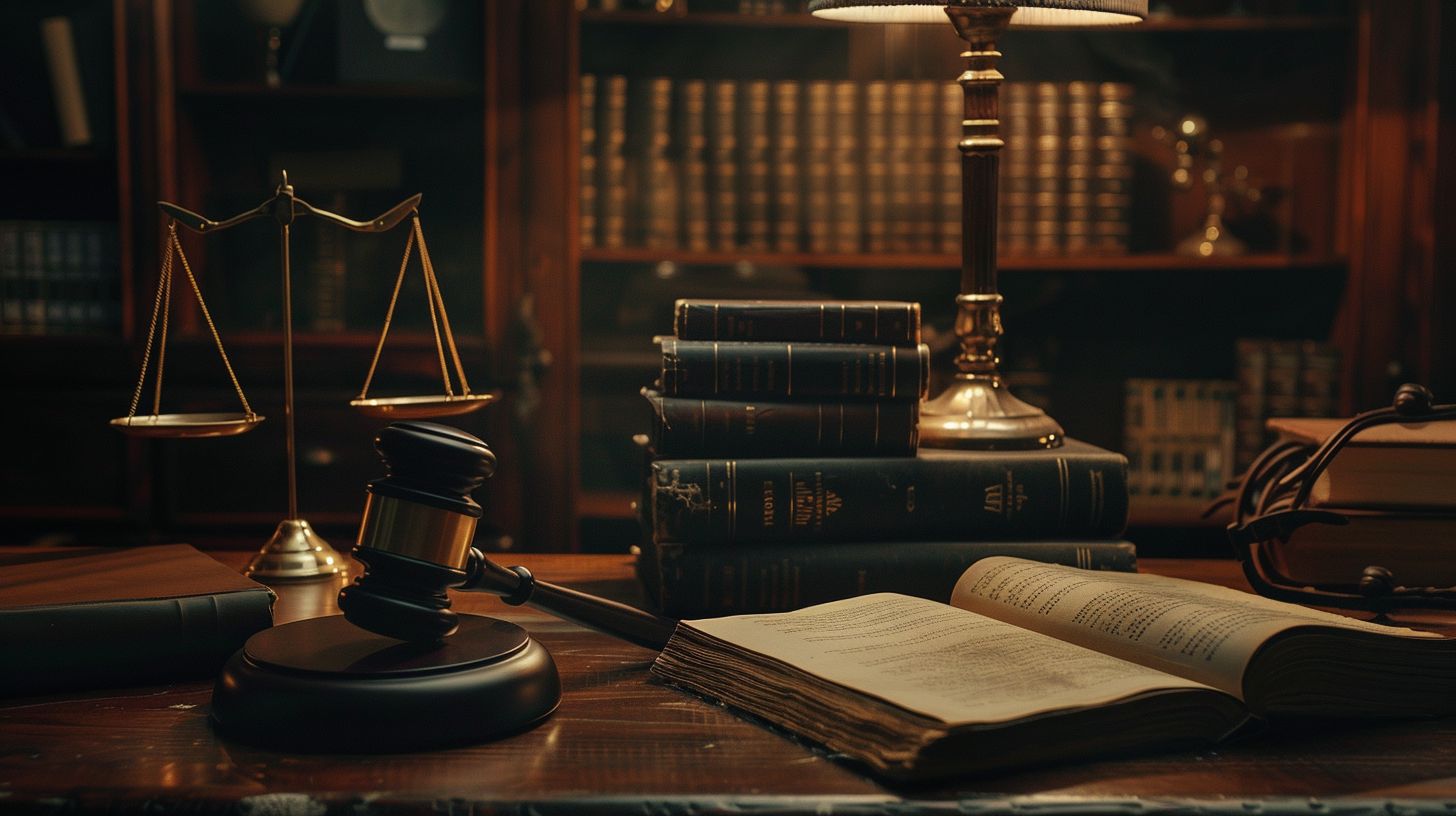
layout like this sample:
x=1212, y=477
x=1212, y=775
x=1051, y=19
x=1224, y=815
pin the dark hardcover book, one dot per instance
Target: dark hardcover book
x=882, y=322
x=587, y=179
x=74, y=618
x=793, y=371
x=697, y=427
x=1075, y=491
x=695, y=581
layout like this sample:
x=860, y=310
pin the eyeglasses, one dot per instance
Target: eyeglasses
x=1372, y=559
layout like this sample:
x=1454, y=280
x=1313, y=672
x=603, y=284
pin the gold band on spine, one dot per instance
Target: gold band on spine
x=416, y=531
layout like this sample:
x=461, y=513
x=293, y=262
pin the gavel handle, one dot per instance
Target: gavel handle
x=516, y=586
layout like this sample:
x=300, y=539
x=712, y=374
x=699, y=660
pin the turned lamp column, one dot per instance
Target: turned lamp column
x=976, y=410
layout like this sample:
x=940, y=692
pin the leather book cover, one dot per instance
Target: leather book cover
x=75, y=618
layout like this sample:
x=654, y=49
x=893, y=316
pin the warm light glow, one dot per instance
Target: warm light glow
x=935, y=13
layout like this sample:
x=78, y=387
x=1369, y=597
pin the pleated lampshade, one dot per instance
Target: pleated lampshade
x=1028, y=12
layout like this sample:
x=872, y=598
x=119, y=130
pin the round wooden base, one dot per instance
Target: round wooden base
x=326, y=685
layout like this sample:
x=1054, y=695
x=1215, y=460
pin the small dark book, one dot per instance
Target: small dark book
x=693, y=581
x=1027, y=663
x=77, y=618
x=886, y=323
x=793, y=371
x=699, y=427
x=1075, y=491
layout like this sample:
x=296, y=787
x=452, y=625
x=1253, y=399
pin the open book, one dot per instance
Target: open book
x=1033, y=663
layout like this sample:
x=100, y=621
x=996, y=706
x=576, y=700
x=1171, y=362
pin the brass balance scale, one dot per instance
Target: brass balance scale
x=294, y=551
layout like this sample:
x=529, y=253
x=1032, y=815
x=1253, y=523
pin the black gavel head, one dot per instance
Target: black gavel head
x=419, y=522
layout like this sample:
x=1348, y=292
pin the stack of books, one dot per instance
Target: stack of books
x=783, y=469
x=845, y=167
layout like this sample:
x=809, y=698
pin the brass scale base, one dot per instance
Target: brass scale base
x=294, y=551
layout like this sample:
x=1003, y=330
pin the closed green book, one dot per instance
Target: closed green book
x=880, y=322
x=683, y=426
x=78, y=618
x=700, y=581
x=793, y=371
x=1075, y=491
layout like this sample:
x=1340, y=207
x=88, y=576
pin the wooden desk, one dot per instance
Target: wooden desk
x=620, y=743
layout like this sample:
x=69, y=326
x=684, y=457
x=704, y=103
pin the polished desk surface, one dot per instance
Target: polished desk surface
x=622, y=743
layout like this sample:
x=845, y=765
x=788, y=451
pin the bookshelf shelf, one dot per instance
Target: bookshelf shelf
x=1070, y=263
x=260, y=91
x=611, y=505
x=1289, y=23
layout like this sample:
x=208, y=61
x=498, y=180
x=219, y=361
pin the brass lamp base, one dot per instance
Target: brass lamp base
x=980, y=413
x=296, y=553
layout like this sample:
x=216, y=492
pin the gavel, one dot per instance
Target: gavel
x=415, y=543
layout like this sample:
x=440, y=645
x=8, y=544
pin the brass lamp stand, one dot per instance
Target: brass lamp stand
x=977, y=411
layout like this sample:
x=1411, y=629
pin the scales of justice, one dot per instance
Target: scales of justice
x=295, y=551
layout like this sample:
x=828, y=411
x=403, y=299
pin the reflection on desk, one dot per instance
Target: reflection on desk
x=620, y=741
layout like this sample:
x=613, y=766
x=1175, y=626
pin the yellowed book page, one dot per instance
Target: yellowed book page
x=1200, y=631
x=948, y=664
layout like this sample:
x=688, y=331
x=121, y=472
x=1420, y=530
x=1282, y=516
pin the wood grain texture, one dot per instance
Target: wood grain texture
x=621, y=743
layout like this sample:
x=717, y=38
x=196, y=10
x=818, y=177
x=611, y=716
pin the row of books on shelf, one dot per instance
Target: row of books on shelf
x=698, y=6
x=845, y=166
x=58, y=277
x=1187, y=439
x=784, y=468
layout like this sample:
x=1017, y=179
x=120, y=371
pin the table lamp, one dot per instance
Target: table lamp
x=977, y=411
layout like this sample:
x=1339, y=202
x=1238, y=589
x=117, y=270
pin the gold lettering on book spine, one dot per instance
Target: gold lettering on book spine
x=813, y=503
x=768, y=504
x=1006, y=498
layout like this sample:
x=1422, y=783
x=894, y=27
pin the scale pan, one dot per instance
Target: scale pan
x=435, y=405
x=183, y=426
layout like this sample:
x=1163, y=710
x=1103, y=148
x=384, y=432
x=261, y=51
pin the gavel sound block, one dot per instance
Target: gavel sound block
x=399, y=670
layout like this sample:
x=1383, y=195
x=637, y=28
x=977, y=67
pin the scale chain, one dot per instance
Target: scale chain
x=162, y=286
x=207, y=316
x=388, y=316
x=432, y=283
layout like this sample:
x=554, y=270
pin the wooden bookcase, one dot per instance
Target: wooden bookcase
x=496, y=153
x=1335, y=104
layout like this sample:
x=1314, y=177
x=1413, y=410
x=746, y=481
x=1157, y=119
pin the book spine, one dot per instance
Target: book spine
x=1112, y=188
x=65, y=71
x=60, y=648
x=788, y=210
x=658, y=180
x=754, y=148
x=927, y=153
x=847, y=196
x=724, y=165
x=56, y=281
x=32, y=278
x=612, y=163
x=783, y=371
x=1018, y=180
x=12, y=309
x=703, y=581
x=726, y=501
x=892, y=323
x=877, y=167
x=818, y=149
x=1080, y=157
x=901, y=168
x=1047, y=164
x=691, y=427
x=587, y=212
x=693, y=141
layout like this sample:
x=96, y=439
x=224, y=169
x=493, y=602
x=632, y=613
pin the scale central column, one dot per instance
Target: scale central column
x=295, y=551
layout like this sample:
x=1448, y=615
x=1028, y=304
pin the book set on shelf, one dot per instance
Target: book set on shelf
x=59, y=277
x=844, y=167
x=1281, y=378
x=783, y=469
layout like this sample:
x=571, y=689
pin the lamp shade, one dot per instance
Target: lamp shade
x=1028, y=12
